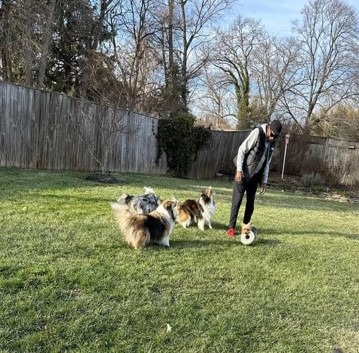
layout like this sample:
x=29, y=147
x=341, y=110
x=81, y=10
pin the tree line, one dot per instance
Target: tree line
x=171, y=58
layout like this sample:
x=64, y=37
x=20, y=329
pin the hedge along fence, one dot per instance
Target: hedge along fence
x=48, y=130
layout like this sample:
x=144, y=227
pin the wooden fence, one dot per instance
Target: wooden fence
x=336, y=159
x=48, y=130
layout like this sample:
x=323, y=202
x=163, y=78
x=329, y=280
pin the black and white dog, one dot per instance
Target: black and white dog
x=140, y=204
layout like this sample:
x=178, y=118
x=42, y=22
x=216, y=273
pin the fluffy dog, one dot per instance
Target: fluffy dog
x=246, y=228
x=248, y=234
x=140, y=204
x=197, y=211
x=140, y=229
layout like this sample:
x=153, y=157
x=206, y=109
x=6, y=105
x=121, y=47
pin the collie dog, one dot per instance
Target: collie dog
x=143, y=229
x=140, y=204
x=197, y=211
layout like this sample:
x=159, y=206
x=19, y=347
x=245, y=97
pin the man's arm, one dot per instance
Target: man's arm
x=245, y=147
x=266, y=172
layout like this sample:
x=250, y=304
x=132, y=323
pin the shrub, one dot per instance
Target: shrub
x=181, y=141
x=313, y=181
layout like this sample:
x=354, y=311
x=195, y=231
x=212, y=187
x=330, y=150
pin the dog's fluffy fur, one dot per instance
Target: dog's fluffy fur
x=140, y=204
x=197, y=211
x=143, y=229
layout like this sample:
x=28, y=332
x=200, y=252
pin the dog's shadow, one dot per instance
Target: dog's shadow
x=222, y=242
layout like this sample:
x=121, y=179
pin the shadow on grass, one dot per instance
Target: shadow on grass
x=187, y=244
x=324, y=233
x=352, y=236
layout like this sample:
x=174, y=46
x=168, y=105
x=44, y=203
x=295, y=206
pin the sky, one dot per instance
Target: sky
x=276, y=15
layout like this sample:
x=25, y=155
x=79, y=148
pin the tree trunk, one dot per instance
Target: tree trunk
x=28, y=40
x=5, y=39
x=47, y=42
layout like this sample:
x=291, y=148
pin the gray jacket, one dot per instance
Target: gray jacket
x=255, y=154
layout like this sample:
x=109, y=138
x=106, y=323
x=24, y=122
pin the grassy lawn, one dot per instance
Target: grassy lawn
x=69, y=283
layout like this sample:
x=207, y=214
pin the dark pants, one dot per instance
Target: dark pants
x=250, y=188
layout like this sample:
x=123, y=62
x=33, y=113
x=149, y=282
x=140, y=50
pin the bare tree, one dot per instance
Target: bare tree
x=18, y=43
x=233, y=54
x=185, y=27
x=5, y=40
x=342, y=121
x=95, y=23
x=328, y=36
x=274, y=70
x=48, y=33
x=195, y=18
x=217, y=103
x=132, y=25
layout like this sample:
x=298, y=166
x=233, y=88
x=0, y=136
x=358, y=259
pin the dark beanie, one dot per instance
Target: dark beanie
x=276, y=126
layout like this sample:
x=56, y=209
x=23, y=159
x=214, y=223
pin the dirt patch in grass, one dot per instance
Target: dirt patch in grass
x=104, y=178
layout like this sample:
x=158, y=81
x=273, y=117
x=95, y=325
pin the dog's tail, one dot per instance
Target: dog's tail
x=124, y=199
x=131, y=225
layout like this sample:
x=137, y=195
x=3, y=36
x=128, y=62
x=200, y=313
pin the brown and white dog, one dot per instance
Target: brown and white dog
x=197, y=211
x=246, y=228
x=248, y=234
x=140, y=229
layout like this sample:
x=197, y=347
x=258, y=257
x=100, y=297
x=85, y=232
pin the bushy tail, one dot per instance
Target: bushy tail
x=131, y=225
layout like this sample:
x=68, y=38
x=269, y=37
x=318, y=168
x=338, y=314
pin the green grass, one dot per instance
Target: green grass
x=69, y=283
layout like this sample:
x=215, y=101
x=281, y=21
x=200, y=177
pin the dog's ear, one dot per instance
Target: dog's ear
x=149, y=190
x=169, y=204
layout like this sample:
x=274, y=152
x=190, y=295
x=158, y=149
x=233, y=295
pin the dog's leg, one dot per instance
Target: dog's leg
x=165, y=241
x=201, y=223
x=207, y=220
x=184, y=224
x=187, y=222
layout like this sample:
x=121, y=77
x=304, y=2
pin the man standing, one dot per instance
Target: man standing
x=253, y=161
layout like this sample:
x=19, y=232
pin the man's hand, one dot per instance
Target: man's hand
x=238, y=178
x=263, y=189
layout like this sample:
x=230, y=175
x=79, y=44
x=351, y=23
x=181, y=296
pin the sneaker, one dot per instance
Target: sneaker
x=230, y=233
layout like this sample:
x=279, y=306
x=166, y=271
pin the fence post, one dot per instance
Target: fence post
x=285, y=152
